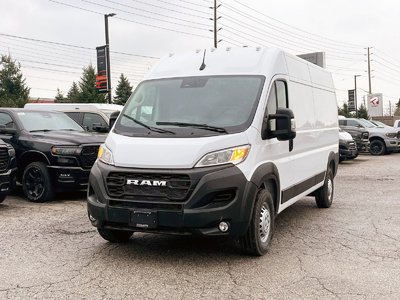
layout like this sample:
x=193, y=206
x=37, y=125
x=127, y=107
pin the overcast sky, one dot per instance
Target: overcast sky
x=153, y=28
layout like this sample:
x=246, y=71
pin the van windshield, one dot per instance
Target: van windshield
x=191, y=106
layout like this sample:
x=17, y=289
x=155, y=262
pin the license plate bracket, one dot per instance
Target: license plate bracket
x=144, y=219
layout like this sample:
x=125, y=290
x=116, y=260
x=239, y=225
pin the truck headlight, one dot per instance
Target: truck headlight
x=232, y=155
x=66, y=150
x=105, y=155
x=391, y=135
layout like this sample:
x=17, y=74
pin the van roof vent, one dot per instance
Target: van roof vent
x=171, y=54
x=198, y=51
x=228, y=48
x=258, y=48
x=212, y=49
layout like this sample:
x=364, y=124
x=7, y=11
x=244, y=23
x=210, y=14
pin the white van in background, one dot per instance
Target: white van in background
x=217, y=143
x=91, y=116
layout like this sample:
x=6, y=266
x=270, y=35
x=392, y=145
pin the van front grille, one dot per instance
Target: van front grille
x=149, y=187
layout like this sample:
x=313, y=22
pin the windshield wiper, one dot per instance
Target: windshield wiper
x=69, y=129
x=37, y=130
x=155, y=129
x=199, y=126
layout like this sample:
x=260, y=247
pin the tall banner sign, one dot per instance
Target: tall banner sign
x=351, y=104
x=375, y=105
x=102, y=76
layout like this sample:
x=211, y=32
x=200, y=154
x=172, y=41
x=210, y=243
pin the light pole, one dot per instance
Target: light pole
x=355, y=93
x=108, y=55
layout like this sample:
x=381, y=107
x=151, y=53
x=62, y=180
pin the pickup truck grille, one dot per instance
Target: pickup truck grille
x=4, y=159
x=398, y=134
x=89, y=156
x=149, y=187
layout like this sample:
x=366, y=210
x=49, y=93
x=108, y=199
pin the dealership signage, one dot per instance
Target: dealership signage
x=102, y=76
x=375, y=105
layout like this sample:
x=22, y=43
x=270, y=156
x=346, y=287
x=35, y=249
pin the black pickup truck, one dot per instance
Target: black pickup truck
x=53, y=153
x=7, y=169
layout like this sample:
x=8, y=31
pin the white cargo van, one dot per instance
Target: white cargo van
x=217, y=143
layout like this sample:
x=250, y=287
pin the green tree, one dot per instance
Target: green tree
x=397, y=111
x=362, y=112
x=59, y=98
x=13, y=89
x=73, y=93
x=123, y=90
x=88, y=92
x=344, y=111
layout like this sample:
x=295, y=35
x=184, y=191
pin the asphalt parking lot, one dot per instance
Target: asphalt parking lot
x=349, y=251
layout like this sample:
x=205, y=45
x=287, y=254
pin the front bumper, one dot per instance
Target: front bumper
x=67, y=177
x=7, y=181
x=392, y=144
x=216, y=194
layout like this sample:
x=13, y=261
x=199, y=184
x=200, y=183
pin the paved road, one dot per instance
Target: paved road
x=350, y=251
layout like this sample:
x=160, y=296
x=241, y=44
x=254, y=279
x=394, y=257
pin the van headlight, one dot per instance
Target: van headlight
x=105, y=155
x=232, y=155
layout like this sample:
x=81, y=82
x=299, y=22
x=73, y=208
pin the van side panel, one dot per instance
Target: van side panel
x=313, y=102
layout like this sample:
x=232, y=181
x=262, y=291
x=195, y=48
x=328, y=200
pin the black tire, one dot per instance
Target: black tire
x=377, y=147
x=2, y=197
x=324, y=195
x=259, y=234
x=115, y=236
x=36, y=183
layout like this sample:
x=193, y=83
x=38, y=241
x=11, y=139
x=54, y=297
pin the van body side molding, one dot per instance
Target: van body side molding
x=302, y=187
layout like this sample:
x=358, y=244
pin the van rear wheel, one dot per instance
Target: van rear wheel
x=259, y=234
x=324, y=195
x=114, y=235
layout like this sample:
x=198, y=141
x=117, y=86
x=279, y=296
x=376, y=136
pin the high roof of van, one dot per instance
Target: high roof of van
x=240, y=61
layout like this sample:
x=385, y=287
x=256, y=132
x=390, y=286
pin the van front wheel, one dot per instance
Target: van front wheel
x=324, y=195
x=261, y=228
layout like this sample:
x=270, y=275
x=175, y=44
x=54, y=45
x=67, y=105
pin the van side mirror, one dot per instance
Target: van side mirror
x=5, y=130
x=113, y=118
x=284, y=128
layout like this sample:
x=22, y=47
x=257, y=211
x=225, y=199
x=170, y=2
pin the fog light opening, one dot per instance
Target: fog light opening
x=223, y=226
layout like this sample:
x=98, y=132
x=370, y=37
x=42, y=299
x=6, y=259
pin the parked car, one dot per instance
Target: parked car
x=7, y=169
x=383, y=140
x=92, y=117
x=347, y=146
x=52, y=151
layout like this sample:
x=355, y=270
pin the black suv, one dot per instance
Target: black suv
x=52, y=151
x=7, y=169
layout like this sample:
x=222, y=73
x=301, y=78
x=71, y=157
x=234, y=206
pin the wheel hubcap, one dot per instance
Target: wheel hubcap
x=34, y=182
x=265, y=224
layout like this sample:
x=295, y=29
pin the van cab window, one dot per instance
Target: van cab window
x=191, y=106
x=91, y=118
x=277, y=98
